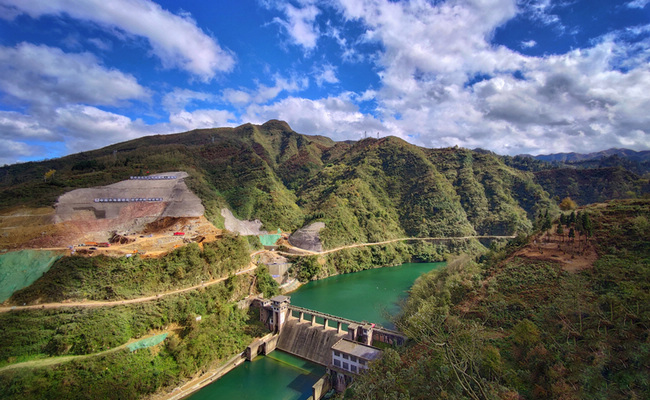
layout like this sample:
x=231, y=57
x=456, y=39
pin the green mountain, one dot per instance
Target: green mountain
x=545, y=317
x=364, y=191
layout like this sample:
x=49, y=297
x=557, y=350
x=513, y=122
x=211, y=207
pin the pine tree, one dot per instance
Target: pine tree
x=587, y=225
x=560, y=229
x=546, y=222
x=579, y=226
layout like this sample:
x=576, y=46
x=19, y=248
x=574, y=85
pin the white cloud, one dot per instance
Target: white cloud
x=337, y=117
x=14, y=125
x=527, y=44
x=579, y=101
x=300, y=23
x=541, y=10
x=638, y=3
x=263, y=93
x=176, y=40
x=326, y=74
x=11, y=151
x=178, y=99
x=202, y=119
x=88, y=127
x=46, y=76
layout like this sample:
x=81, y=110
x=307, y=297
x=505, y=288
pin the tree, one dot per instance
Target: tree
x=572, y=233
x=546, y=222
x=587, y=225
x=49, y=174
x=579, y=226
x=568, y=204
x=560, y=229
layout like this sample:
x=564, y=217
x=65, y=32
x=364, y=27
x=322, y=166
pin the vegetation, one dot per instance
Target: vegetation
x=368, y=191
x=265, y=283
x=111, y=278
x=509, y=326
x=191, y=347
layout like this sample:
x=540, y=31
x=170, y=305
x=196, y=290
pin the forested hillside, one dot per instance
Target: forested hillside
x=369, y=190
x=519, y=323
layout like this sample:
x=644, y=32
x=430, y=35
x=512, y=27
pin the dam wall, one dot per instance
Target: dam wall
x=313, y=343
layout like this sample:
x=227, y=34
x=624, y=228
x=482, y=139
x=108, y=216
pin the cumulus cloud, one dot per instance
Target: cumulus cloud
x=527, y=44
x=326, y=74
x=431, y=52
x=11, y=150
x=175, y=39
x=46, y=76
x=263, y=93
x=299, y=22
x=14, y=125
x=90, y=128
x=178, y=99
x=337, y=117
x=198, y=119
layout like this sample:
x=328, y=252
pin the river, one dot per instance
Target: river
x=369, y=295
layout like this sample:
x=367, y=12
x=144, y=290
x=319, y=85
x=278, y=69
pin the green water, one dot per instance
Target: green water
x=366, y=295
x=370, y=295
x=278, y=376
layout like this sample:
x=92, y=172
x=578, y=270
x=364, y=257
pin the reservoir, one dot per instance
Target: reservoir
x=369, y=295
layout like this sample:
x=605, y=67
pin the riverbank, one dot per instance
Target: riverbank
x=202, y=380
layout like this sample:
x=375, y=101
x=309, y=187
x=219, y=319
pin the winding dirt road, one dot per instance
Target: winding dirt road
x=91, y=303
x=306, y=253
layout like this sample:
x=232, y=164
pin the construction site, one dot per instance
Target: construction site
x=146, y=215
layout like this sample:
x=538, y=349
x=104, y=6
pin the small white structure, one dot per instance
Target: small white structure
x=352, y=357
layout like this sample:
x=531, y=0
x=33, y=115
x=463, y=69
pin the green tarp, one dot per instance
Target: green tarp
x=269, y=240
x=19, y=269
x=148, y=342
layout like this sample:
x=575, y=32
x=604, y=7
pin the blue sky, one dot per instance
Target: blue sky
x=511, y=76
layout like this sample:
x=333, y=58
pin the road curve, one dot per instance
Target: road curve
x=91, y=303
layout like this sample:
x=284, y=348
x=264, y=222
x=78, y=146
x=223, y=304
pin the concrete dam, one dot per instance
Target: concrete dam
x=313, y=343
x=345, y=353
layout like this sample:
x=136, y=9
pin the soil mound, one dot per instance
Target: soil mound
x=245, y=228
x=308, y=237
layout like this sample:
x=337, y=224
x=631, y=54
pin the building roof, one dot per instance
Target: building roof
x=357, y=349
x=281, y=299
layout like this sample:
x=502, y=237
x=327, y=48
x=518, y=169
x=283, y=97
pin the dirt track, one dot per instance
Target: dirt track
x=305, y=253
x=90, y=304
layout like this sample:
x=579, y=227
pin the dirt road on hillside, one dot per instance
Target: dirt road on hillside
x=306, y=253
x=91, y=303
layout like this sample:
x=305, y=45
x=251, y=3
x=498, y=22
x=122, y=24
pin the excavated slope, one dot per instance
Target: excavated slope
x=176, y=200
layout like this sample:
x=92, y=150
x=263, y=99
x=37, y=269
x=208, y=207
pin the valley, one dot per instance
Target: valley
x=177, y=234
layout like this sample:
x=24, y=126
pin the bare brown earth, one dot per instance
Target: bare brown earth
x=572, y=254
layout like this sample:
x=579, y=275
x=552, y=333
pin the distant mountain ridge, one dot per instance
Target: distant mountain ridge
x=577, y=157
